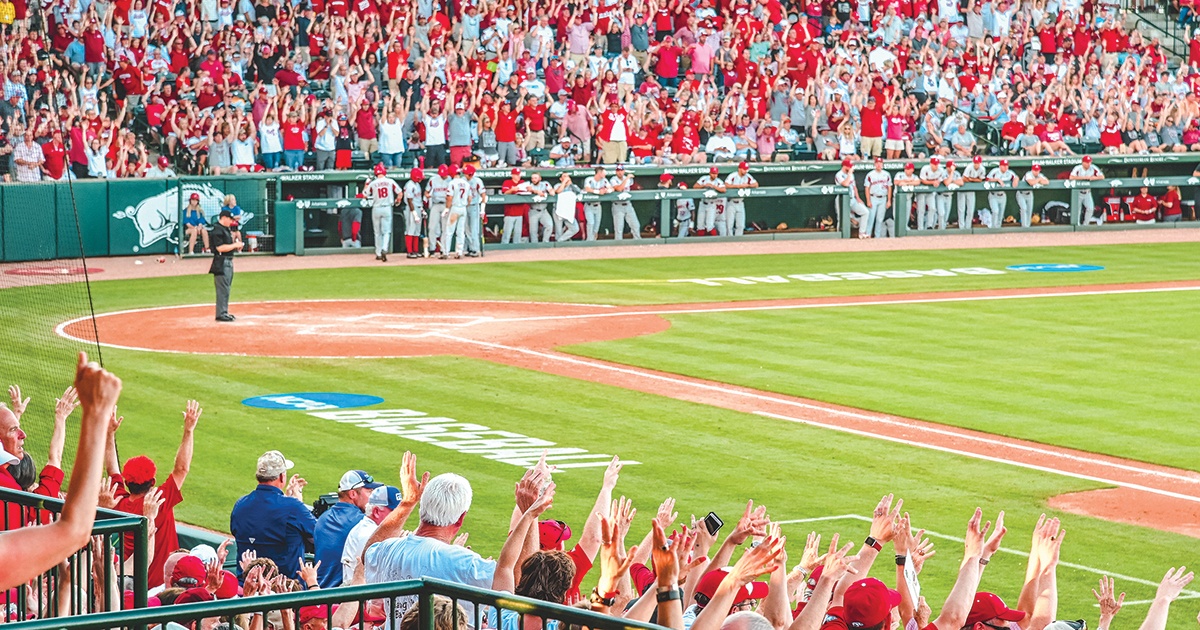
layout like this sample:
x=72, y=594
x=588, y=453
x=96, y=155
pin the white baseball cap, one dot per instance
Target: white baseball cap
x=355, y=479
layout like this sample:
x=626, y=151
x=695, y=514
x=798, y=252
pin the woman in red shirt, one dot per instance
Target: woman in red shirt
x=294, y=140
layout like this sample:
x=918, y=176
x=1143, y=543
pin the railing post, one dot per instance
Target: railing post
x=141, y=565
x=425, y=616
x=844, y=214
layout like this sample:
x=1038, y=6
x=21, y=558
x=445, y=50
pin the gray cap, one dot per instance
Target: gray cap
x=272, y=464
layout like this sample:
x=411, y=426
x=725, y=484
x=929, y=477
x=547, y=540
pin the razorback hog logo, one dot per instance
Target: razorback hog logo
x=157, y=217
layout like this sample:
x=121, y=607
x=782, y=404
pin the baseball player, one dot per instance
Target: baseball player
x=684, y=211
x=454, y=222
x=1087, y=204
x=859, y=211
x=998, y=199
x=567, y=227
x=597, y=185
x=437, y=203
x=382, y=193
x=904, y=199
x=973, y=174
x=953, y=181
x=1034, y=179
x=539, y=217
x=710, y=209
x=735, y=208
x=476, y=202
x=349, y=222
x=514, y=213
x=931, y=175
x=414, y=212
x=622, y=210
x=877, y=186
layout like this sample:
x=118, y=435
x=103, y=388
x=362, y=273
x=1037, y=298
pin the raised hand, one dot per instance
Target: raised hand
x=308, y=572
x=254, y=583
x=1110, y=603
x=295, y=486
x=976, y=533
x=152, y=503
x=108, y=491
x=666, y=514
x=223, y=551
x=18, y=404
x=528, y=489
x=191, y=415
x=461, y=539
x=94, y=386
x=760, y=560
x=543, y=502
x=612, y=473
x=410, y=486
x=114, y=422
x=752, y=523
x=837, y=564
x=247, y=559
x=884, y=518
x=923, y=612
x=622, y=513
x=614, y=560
x=812, y=555
x=993, y=542
x=213, y=576
x=65, y=405
x=1173, y=583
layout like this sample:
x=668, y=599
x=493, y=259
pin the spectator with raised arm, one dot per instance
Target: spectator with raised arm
x=273, y=521
x=12, y=449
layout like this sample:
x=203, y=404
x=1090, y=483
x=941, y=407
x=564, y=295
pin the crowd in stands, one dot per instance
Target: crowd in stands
x=155, y=88
x=681, y=574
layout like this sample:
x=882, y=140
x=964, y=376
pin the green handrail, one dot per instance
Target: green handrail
x=424, y=589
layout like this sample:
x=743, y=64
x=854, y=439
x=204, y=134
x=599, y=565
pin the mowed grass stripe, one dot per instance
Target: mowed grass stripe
x=1097, y=373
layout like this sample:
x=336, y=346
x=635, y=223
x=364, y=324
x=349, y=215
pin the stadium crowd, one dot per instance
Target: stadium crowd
x=154, y=88
x=681, y=575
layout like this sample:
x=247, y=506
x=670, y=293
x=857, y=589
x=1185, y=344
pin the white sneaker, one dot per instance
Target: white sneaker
x=346, y=242
x=357, y=245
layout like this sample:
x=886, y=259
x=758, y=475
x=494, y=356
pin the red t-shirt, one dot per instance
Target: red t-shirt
x=1144, y=207
x=872, y=122
x=583, y=564
x=55, y=159
x=93, y=46
x=509, y=187
x=668, y=62
x=166, y=538
x=293, y=136
x=364, y=124
x=506, y=127
x=535, y=117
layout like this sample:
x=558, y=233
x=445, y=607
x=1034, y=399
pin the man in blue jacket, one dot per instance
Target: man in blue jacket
x=270, y=522
x=354, y=490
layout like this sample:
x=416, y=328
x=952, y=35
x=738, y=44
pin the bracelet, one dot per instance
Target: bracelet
x=597, y=599
x=984, y=561
x=875, y=544
x=670, y=594
x=901, y=560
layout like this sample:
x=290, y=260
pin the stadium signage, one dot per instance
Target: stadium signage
x=312, y=401
x=840, y=275
x=1055, y=268
x=473, y=439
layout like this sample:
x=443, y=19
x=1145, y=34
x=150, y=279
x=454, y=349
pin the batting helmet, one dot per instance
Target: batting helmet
x=443, y=170
x=416, y=175
x=380, y=170
x=469, y=170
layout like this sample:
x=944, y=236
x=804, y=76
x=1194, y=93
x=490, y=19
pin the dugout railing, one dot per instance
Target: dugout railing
x=482, y=608
x=76, y=588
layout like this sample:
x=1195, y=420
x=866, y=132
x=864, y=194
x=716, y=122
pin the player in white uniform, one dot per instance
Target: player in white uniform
x=381, y=194
x=998, y=199
x=539, y=217
x=476, y=202
x=735, y=208
x=567, y=227
x=622, y=211
x=710, y=209
x=1033, y=179
x=437, y=204
x=904, y=200
x=454, y=221
x=931, y=175
x=414, y=212
x=859, y=211
x=877, y=186
x=952, y=182
x=973, y=174
x=597, y=185
x=1087, y=204
x=685, y=209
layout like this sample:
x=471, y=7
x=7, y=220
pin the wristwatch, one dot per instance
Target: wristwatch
x=875, y=544
x=900, y=560
x=599, y=600
x=669, y=594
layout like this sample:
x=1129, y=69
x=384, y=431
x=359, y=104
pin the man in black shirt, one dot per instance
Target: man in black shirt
x=224, y=246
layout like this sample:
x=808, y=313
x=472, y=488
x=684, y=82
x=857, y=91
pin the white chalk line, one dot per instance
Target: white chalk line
x=1017, y=552
x=863, y=416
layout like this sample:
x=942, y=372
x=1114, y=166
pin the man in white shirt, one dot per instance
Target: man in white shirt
x=973, y=174
x=1087, y=204
x=931, y=175
x=710, y=217
x=429, y=552
x=998, y=199
x=381, y=194
x=720, y=147
x=735, y=209
x=878, y=187
x=539, y=215
x=382, y=501
x=625, y=67
x=1033, y=179
x=438, y=185
x=622, y=211
x=597, y=185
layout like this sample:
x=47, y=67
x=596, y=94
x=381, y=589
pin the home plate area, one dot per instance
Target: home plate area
x=358, y=328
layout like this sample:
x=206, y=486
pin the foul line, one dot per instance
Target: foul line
x=1016, y=552
x=882, y=302
x=863, y=416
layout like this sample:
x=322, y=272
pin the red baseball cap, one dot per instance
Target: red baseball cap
x=193, y=595
x=713, y=170
x=990, y=606
x=443, y=170
x=909, y=166
x=188, y=568
x=1037, y=167
x=665, y=177
x=847, y=163
x=711, y=580
x=742, y=166
x=195, y=197
x=308, y=613
x=949, y=163
x=978, y=159
x=811, y=582
x=868, y=602
x=141, y=469
x=516, y=172
x=934, y=160
x=469, y=169
x=1087, y=158
x=229, y=586
x=552, y=535
x=163, y=161
x=1003, y=162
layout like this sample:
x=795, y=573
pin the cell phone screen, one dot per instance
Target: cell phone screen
x=713, y=523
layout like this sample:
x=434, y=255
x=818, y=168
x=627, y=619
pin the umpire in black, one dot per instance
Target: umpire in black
x=224, y=247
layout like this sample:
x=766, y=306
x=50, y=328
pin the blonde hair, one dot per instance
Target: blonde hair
x=446, y=616
x=230, y=201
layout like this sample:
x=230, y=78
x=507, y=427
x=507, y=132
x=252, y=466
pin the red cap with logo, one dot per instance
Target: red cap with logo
x=990, y=606
x=163, y=161
x=742, y=166
x=978, y=159
x=665, y=177
x=1003, y=162
x=308, y=613
x=1087, y=159
x=443, y=170
x=909, y=166
x=552, y=535
x=868, y=602
x=847, y=163
x=713, y=170
x=1037, y=167
x=934, y=160
x=711, y=580
x=516, y=172
x=469, y=169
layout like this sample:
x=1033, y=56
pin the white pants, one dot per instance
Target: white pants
x=875, y=218
x=381, y=220
x=735, y=217
x=998, y=202
x=437, y=212
x=685, y=226
x=706, y=215
x=474, y=228
x=926, y=203
x=1087, y=210
x=1025, y=204
x=567, y=229
x=591, y=214
x=966, y=210
x=861, y=213
x=944, y=201
x=454, y=225
x=412, y=222
x=623, y=213
x=512, y=230
x=540, y=218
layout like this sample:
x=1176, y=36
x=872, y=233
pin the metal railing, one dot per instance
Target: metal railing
x=91, y=579
x=488, y=609
x=1173, y=37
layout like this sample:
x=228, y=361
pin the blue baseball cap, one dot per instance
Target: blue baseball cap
x=356, y=479
x=386, y=496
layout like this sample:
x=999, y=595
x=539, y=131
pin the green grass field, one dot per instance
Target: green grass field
x=1109, y=374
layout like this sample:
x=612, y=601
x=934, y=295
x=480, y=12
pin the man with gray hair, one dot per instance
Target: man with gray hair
x=271, y=522
x=746, y=620
x=429, y=552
